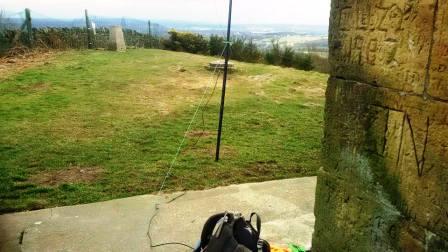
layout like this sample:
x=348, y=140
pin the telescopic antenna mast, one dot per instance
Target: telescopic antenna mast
x=224, y=82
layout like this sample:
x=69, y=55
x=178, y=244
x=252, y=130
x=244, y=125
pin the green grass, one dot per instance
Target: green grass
x=124, y=114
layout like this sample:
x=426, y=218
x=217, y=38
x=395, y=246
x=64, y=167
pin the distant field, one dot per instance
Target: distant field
x=298, y=42
x=91, y=126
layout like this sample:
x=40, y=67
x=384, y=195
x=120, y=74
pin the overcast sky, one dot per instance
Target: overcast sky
x=308, y=12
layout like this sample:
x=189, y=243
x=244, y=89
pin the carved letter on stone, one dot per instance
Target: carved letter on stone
x=371, y=52
x=402, y=144
x=356, y=55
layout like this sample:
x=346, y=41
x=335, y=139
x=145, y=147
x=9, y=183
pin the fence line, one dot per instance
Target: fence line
x=20, y=29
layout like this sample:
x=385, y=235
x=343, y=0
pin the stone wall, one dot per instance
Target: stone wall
x=384, y=185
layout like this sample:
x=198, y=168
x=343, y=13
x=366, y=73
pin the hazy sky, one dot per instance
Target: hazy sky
x=309, y=12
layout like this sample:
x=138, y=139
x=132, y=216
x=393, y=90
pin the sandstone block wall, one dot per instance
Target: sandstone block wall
x=384, y=186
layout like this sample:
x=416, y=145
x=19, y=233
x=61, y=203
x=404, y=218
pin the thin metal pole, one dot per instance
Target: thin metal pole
x=224, y=82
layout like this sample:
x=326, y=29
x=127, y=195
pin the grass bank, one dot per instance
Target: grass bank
x=90, y=126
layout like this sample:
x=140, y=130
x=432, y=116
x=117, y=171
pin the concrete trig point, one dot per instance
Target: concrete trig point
x=116, y=39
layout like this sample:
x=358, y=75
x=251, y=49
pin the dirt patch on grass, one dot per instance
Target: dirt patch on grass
x=30, y=89
x=258, y=93
x=178, y=68
x=19, y=63
x=264, y=166
x=200, y=133
x=73, y=174
x=313, y=104
x=169, y=94
x=261, y=169
x=210, y=151
x=261, y=78
x=71, y=126
x=225, y=151
x=258, y=82
x=315, y=92
x=38, y=87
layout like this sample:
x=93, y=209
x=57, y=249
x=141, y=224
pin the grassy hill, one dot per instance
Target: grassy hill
x=90, y=126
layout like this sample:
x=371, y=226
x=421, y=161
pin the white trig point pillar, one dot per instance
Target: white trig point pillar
x=116, y=39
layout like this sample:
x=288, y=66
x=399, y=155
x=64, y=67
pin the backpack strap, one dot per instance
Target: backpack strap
x=209, y=226
x=224, y=240
x=258, y=222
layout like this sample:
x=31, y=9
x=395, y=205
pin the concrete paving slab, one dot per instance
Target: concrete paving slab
x=286, y=208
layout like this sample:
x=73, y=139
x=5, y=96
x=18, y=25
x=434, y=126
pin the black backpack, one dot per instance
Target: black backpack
x=230, y=232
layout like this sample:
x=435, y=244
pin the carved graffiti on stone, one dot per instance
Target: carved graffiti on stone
x=419, y=158
x=389, y=63
x=391, y=22
x=356, y=52
x=363, y=19
x=395, y=47
x=371, y=52
x=415, y=44
x=402, y=141
x=444, y=50
x=408, y=10
x=346, y=49
x=412, y=77
x=344, y=3
x=345, y=18
x=438, y=84
x=393, y=138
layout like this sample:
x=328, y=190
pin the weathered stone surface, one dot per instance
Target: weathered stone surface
x=438, y=84
x=386, y=170
x=116, y=39
x=382, y=42
x=385, y=179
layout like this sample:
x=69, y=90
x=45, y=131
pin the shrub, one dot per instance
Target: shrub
x=241, y=49
x=288, y=56
x=320, y=63
x=251, y=53
x=216, y=45
x=273, y=55
x=186, y=42
x=237, y=49
x=303, y=61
